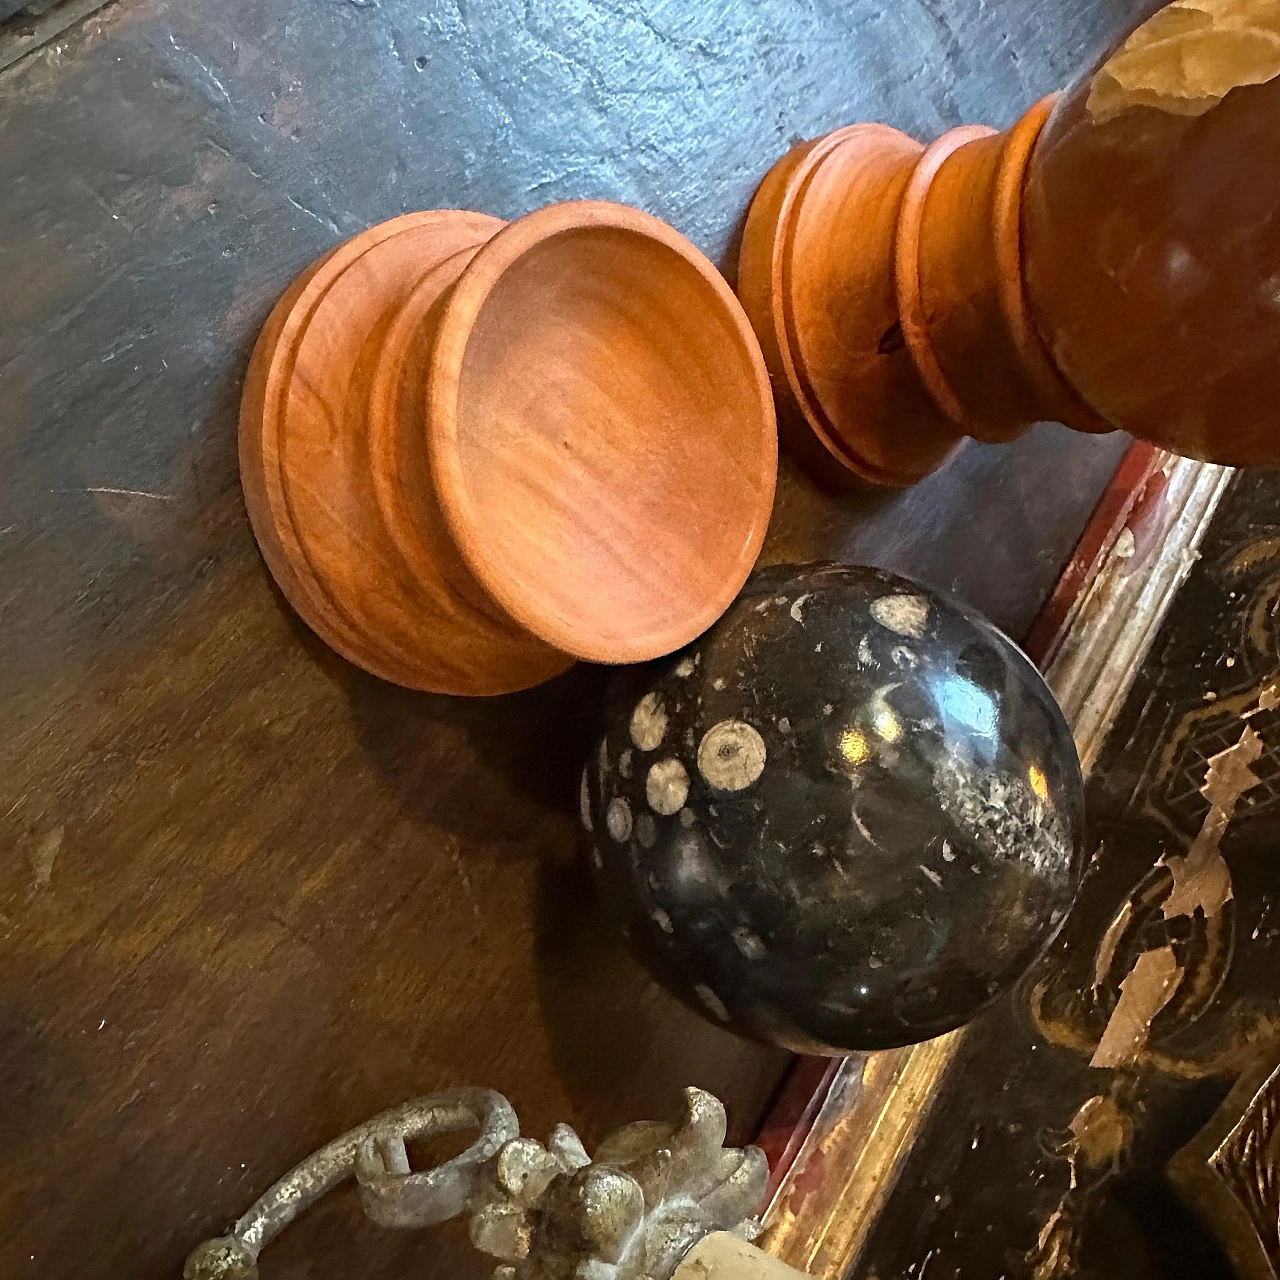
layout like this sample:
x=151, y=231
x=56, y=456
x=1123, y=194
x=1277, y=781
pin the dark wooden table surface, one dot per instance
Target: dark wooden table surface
x=250, y=895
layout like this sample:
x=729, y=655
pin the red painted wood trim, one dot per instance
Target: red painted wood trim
x=1130, y=486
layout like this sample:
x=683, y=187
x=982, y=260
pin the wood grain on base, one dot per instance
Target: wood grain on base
x=472, y=455
x=602, y=431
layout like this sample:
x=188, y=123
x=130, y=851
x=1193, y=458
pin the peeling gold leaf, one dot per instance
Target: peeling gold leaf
x=1150, y=986
x=1229, y=775
x=1268, y=700
x=1201, y=878
x=1100, y=1133
x=1204, y=883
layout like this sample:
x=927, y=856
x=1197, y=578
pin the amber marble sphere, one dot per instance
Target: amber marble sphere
x=847, y=817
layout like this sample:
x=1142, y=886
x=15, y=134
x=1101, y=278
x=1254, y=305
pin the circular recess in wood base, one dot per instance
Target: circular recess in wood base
x=817, y=277
x=308, y=472
x=602, y=433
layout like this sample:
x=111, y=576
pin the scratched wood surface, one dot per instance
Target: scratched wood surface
x=249, y=895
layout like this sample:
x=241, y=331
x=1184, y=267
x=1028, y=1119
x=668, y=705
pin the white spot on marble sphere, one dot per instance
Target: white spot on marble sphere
x=731, y=755
x=618, y=819
x=712, y=1001
x=907, y=615
x=584, y=801
x=667, y=787
x=649, y=722
x=749, y=943
x=662, y=920
x=646, y=831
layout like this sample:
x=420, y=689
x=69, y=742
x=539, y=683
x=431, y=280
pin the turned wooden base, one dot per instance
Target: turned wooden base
x=884, y=281
x=327, y=461
x=1110, y=261
x=473, y=452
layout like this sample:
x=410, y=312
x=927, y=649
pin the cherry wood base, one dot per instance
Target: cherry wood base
x=371, y=570
x=884, y=280
x=470, y=450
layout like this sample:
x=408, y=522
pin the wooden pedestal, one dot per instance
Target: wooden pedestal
x=1108, y=262
x=474, y=452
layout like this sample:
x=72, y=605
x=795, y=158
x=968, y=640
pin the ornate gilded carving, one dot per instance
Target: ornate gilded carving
x=1163, y=957
x=1229, y=1173
x=1095, y=1145
x=1248, y=1161
x=550, y=1212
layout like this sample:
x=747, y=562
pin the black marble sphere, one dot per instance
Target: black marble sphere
x=847, y=817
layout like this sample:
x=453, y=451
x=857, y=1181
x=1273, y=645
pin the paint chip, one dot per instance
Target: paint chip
x=584, y=802
x=797, y=609
x=712, y=1001
x=749, y=943
x=44, y=855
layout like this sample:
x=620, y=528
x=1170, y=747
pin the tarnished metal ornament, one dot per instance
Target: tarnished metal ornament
x=551, y=1212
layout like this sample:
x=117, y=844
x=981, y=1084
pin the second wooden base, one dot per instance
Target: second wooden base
x=333, y=459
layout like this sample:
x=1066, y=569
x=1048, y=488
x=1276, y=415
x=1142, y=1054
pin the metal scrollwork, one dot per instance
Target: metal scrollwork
x=545, y=1212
